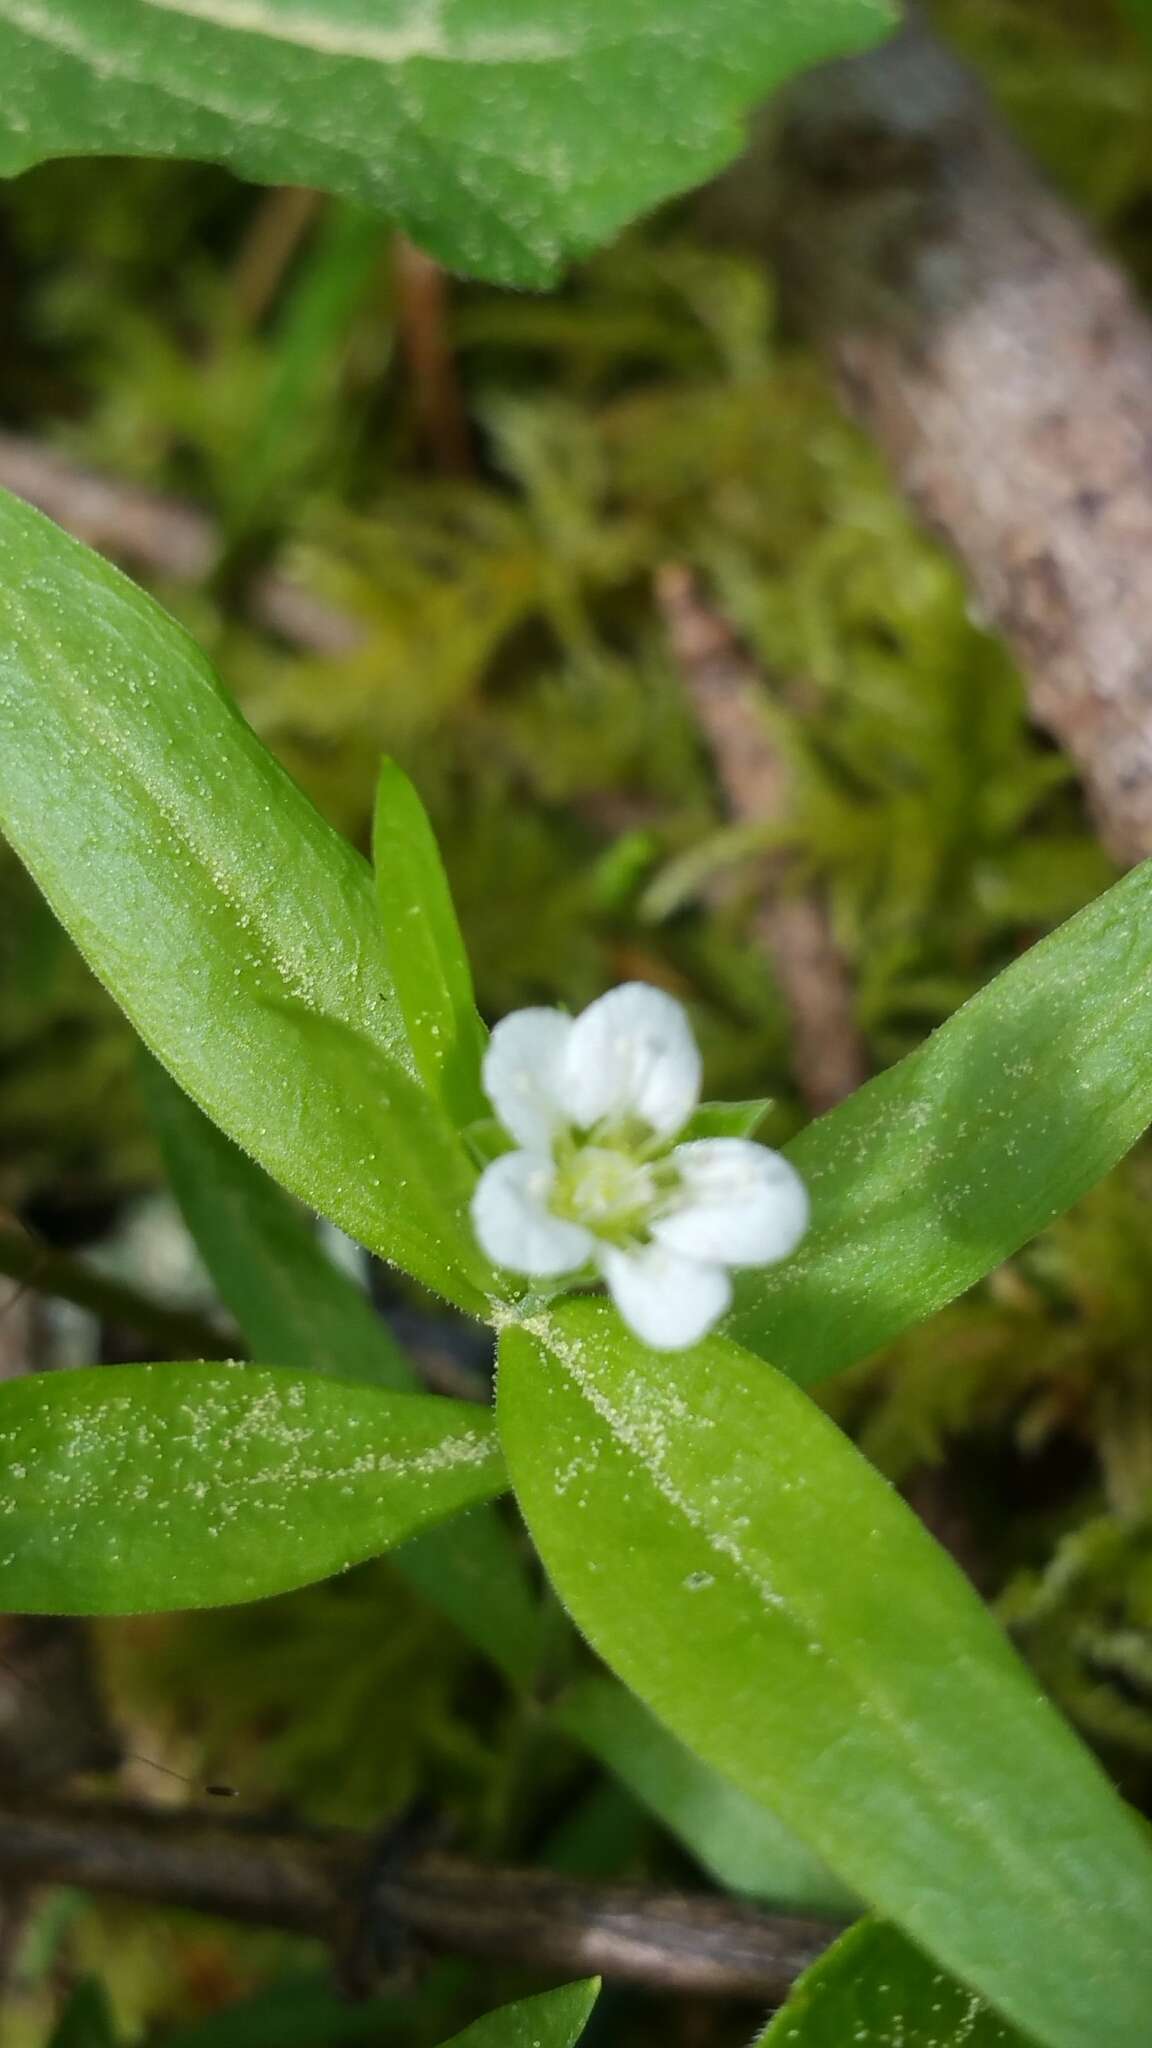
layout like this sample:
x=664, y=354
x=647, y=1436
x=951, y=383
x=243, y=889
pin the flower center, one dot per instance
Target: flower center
x=607, y=1190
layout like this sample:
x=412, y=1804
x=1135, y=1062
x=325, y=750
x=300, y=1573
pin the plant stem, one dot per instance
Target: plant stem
x=177, y=1333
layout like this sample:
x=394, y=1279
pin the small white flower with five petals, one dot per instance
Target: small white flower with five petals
x=596, y=1103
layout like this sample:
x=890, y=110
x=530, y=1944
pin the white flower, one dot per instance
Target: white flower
x=595, y=1103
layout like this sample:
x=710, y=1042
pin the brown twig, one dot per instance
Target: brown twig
x=162, y=534
x=423, y=291
x=727, y=692
x=278, y=227
x=165, y=537
x=1003, y=364
x=330, y=1884
x=52, y=1718
x=178, y=1332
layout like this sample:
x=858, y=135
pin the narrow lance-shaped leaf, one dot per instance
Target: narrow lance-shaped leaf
x=132, y=1489
x=1142, y=12
x=775, y=1602
x=306, y=352
x=874, y=1988
x=470, y=1569
x=237, y=930
x=934, y=1173
x=505, y=138
x=429, y=966
x=86, y=2021
x=555, y=2020
x=738, y=1840
x=289, y=1299
x=294, y=1305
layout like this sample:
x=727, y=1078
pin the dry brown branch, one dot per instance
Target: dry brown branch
x=278, y=227
x=161, y=534
x=334, y=1884
x=726, y=689
x=164, y=537
x=423, y=292
x=53, y=1722
x=1003, y=364
x=52, y=1719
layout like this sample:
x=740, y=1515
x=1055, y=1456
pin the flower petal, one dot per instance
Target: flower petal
x=514, y=1224
x=668, y=1301
x=738, y=1202
x=632, y=1053
x=522, y=1069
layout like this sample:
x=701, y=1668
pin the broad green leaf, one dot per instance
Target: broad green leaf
x=741, y=1843
x=289, y=1299
x=237, y=930
x=934, y=1173
x=746, y=1572
x=874, y=1989
x=130, y=1489
x=294, y=1305
x=555, y=2020
x=504, y=134
x=430, y=969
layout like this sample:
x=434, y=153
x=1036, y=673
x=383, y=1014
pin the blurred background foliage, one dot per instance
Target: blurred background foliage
x=253, y=353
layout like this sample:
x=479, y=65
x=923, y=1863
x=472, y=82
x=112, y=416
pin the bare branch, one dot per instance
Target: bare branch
x=166, y=538
x=423, y=300
x=331, y=1884
x=728, y=693
x=122, y=519
x=280, y=223
x=1003, y=364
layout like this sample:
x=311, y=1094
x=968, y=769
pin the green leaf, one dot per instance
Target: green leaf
x=1141, y=11
x=933, y=1174
x=487, y=1140
x=874, y=1988
x=740, y=1843
x=292, y=2012
x=555, y=2020
x=289, y=1299
x=503, y=137
x=237, y=930
x=310, y=343
x=429, y=965
x=294, y=1305
x=728, y=1119
x=130, y=1489
x=470, y=1569
x=767, y=1594
x=86, y=2021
